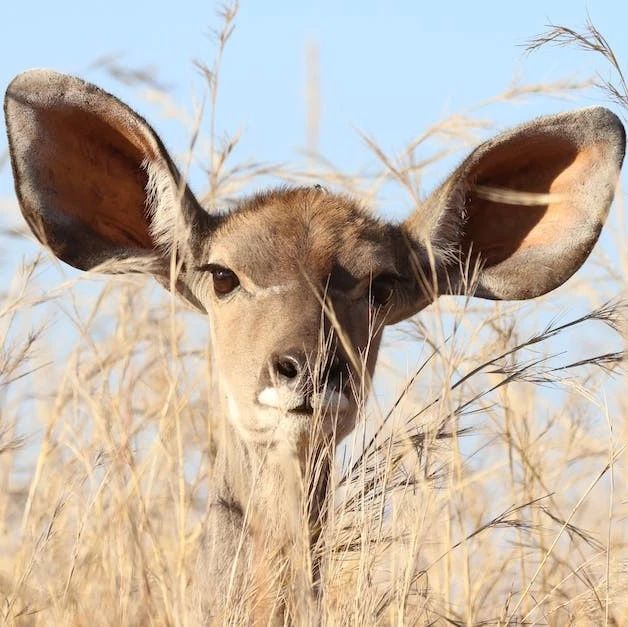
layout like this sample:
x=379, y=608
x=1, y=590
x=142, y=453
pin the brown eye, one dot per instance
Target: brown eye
x=381, y=291
x=225, y=281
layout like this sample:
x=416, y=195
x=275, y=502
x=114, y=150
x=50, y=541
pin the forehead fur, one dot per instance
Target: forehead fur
x=287, y=230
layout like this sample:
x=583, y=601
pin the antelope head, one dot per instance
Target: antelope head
x=299, y=283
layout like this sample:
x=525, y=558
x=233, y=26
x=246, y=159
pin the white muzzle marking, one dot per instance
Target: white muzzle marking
x=280, y=398
x=285, y=399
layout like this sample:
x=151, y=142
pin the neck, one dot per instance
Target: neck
x=282, y=504
x=282, y=494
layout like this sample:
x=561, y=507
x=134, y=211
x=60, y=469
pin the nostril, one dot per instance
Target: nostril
x=287, y=367
x=336, y=370
x=335, y=366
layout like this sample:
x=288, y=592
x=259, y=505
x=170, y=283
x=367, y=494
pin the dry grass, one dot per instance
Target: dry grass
x=487, y=486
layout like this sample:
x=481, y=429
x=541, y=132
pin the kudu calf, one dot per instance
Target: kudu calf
x=298, y=283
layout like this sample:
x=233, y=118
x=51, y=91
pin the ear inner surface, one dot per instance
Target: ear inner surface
x=544, y=166
x=96, y=174
x=529, y=205
x=79, y=159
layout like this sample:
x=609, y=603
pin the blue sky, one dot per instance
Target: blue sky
x=387, y=68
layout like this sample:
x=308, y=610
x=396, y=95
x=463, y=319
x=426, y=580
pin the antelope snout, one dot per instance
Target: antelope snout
x=295, y=383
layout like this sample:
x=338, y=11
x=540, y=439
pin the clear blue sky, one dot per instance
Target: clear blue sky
x=388, y=68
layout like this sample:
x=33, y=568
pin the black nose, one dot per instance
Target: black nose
x=289, y=366
x=293, y=367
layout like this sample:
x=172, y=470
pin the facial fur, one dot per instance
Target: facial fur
x=305, y=286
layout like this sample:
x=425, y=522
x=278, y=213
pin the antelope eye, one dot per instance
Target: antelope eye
x=225, y=281
x=381, y=290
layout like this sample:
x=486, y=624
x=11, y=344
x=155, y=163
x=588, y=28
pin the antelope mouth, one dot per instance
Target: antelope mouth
x=304, y=409
x=294, y=402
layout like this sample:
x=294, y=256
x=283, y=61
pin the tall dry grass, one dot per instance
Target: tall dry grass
x=486, y=483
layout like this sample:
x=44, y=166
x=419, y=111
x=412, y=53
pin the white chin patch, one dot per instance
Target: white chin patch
x=281, y=398
x=285, y=399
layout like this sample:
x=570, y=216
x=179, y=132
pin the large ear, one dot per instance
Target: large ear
x=93, y=180
x=525, y=208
